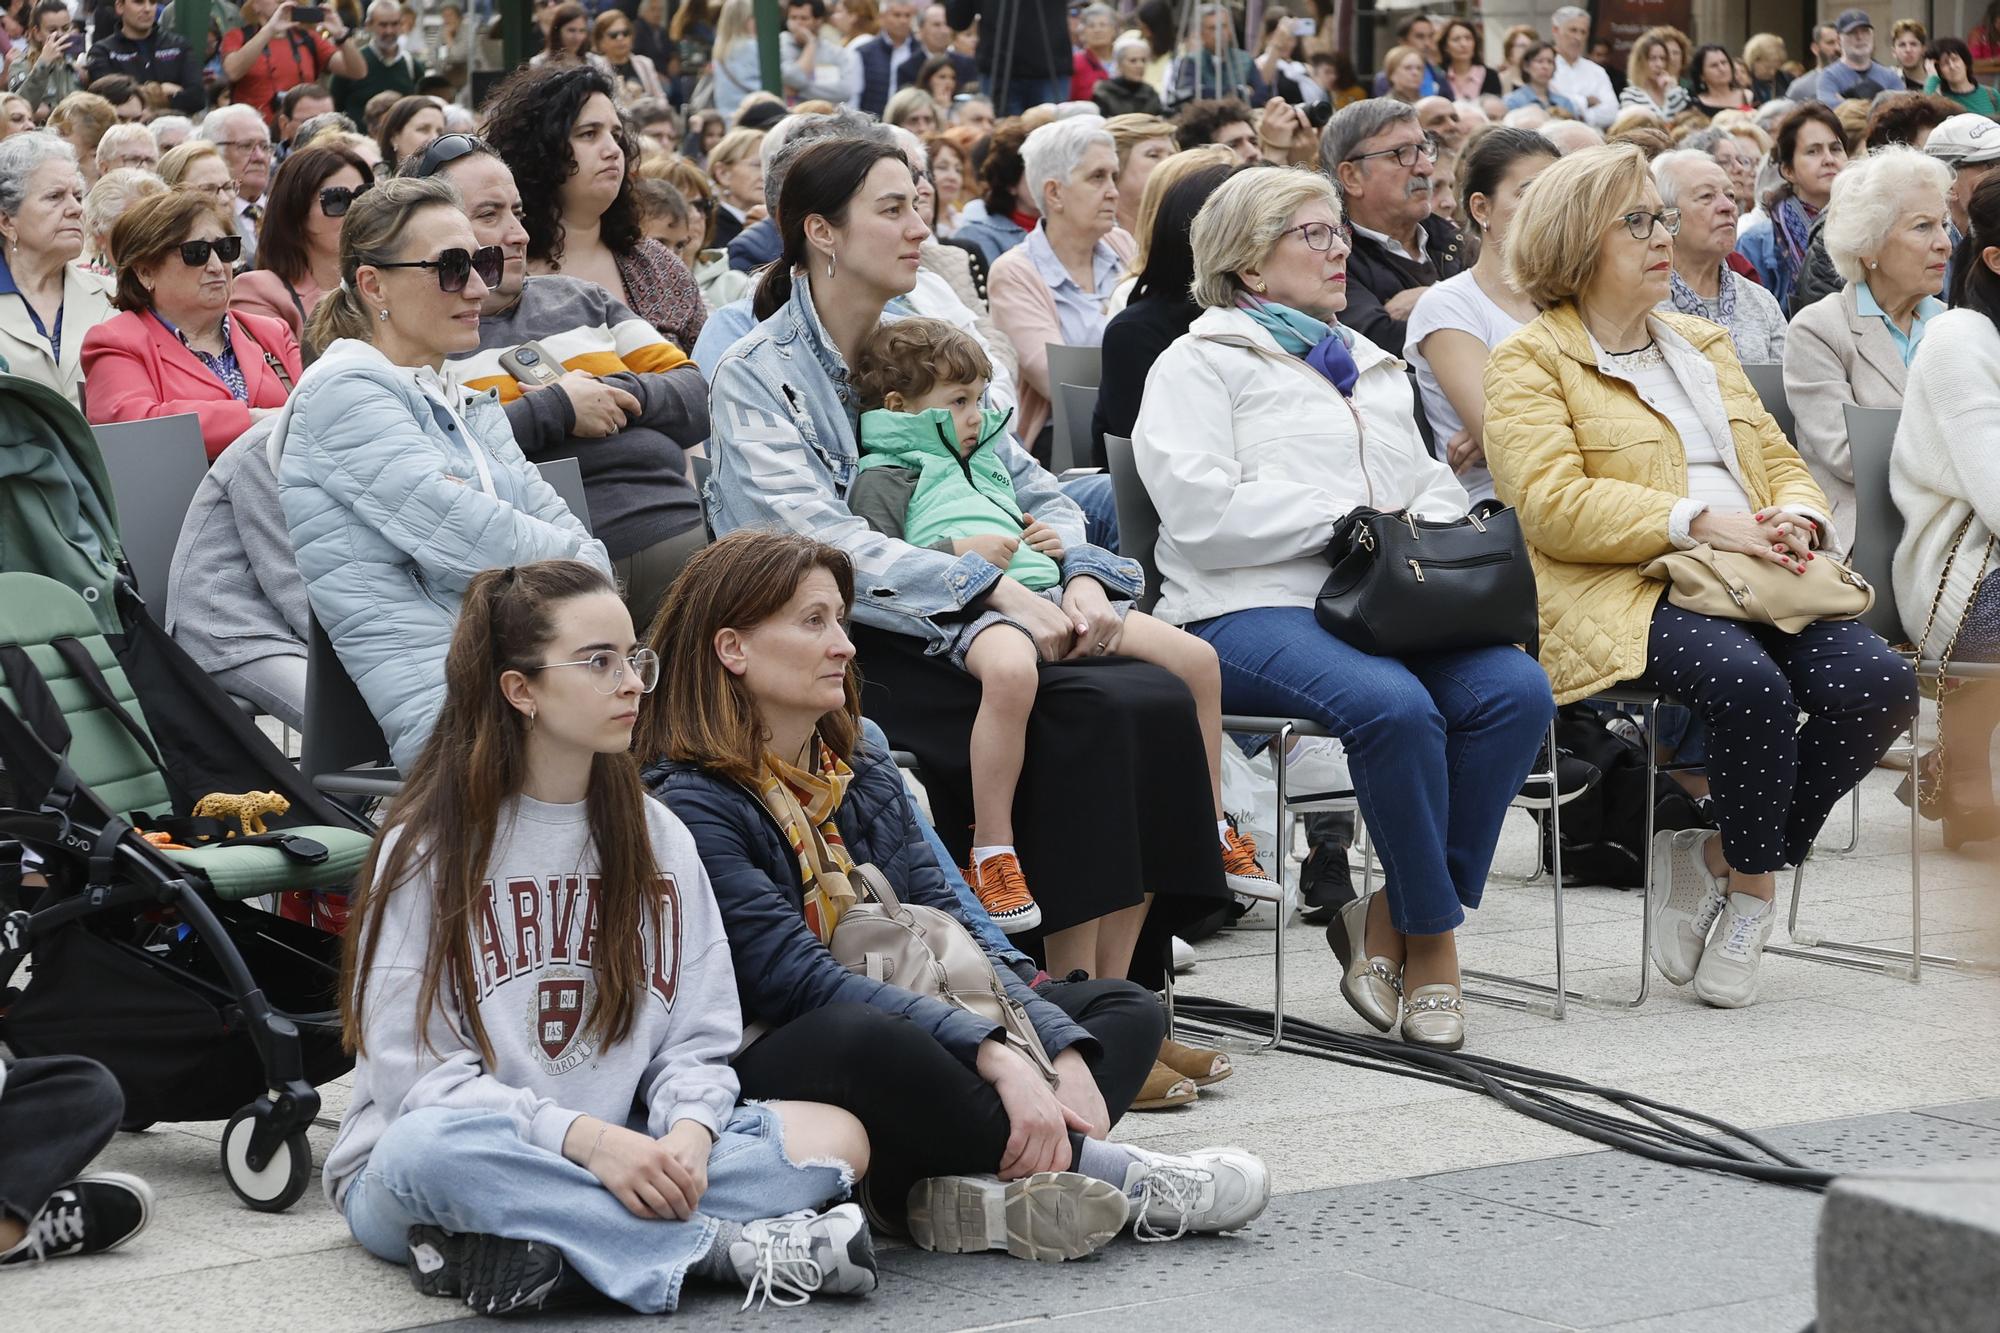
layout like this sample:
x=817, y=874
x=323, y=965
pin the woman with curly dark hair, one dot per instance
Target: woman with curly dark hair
x=559, y=132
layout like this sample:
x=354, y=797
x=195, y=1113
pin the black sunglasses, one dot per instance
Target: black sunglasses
x=448, y=148
x=454, y=266
x=228, y=249
x=335, y=200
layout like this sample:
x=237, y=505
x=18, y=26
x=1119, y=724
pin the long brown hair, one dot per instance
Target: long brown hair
x=703, y=714
x=445, y=817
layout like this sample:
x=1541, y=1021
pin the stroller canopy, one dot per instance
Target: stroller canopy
x=57, y=517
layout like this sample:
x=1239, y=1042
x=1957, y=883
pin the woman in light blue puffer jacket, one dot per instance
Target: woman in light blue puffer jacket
x=398, y=485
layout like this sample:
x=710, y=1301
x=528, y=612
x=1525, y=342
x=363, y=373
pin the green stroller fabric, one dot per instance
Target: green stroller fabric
x=57, y=517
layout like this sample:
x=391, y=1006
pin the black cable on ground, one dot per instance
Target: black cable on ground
x=1660, y=1132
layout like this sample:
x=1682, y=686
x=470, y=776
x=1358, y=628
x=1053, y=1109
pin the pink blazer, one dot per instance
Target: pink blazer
x=134, y=368
x=262, y=292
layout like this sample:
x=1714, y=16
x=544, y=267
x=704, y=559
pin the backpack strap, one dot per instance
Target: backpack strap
x=35, y=721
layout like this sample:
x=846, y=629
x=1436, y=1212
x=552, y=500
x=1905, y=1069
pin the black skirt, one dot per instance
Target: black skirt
x=1114, y=801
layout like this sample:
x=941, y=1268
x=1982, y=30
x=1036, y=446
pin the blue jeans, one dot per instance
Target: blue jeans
x=1100, y=508
x=1438, y=745
x=1025, y=93
x=469, y=1170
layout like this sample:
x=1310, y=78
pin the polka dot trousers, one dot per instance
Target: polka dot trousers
x=1774, y=781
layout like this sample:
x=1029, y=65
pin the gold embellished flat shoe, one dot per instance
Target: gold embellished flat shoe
x=1373, y=986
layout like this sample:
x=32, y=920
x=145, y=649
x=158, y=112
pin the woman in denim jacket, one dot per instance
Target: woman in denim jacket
x=1114, y=795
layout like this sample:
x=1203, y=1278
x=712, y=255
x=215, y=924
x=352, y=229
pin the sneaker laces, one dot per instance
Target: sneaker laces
x=55, y=1229
x=1239, y=856
x=1006, y=890
x=786, y=1273
x=1174, y=1186
x=1743, y=932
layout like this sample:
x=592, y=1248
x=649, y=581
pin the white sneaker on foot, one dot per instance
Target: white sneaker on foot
x=788, y=1260
x=1050, y=1216
x=1316, y=766
x=1215, y=1189
x=1727, y=977
x=1183, y=956
x=1685, y=900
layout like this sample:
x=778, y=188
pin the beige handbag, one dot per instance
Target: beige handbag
x=1735, y=586
x=920, y=949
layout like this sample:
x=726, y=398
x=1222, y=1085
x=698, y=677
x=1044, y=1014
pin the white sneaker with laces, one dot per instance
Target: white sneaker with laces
x=1727, y=977
x=788, y=1260
x=1316, y=766
x=1685, y=901
x=1215, y=1189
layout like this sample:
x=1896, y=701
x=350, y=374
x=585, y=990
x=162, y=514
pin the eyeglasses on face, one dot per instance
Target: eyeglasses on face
x=144, y=161
x=1640, y=223
x=221, y=189
x=1406, y=154
x=335, y=200
x=1321, y=235
x=228, y=249
x=245, y=145
x=454, y=266
x=607, y=669
x=617, y=34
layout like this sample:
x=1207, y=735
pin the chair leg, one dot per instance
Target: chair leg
x=1809, y=946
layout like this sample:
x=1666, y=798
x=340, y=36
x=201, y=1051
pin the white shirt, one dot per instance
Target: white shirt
x=1459, y=302
x=1709, y=480
x=1394, y=246
x=1581, y=80
x=248, y=229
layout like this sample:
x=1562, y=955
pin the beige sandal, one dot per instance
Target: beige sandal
x=1199, y=1064
x=1164, y=1090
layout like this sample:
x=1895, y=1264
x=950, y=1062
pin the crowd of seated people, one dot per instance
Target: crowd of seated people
x=836, y=300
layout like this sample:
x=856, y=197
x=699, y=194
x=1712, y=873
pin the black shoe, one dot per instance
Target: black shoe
x=492, y=1274
x=1326, y=883
x=1574, y=777
x=89, y=1215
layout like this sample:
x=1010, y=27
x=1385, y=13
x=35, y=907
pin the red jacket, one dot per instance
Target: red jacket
x=135, y=368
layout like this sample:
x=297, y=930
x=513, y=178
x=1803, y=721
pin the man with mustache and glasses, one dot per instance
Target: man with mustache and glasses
x=627, y=404
x=1383, y=162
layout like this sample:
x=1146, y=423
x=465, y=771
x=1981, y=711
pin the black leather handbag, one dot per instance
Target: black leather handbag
x=1404, y=585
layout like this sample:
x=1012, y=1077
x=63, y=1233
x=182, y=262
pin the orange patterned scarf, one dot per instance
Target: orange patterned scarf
x=803, y=803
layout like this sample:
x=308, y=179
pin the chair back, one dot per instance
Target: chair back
x=154, y=467
x=1878, y=524
x=565, y=477
x=1768, y=379
x=340, y=733
x=1074, y=408
x=1082, y=366
x=1138, y=521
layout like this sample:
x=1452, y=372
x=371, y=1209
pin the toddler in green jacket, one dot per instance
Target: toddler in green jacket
x=931, y=475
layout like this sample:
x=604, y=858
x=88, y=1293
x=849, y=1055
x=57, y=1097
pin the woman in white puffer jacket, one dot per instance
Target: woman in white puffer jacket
x=1261, y=427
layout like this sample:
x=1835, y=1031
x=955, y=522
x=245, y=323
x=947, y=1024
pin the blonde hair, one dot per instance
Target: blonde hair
x=177, y=161
x=372, y=234
x=906, y=101
x=1642, y=50
x=1558, y=229
x=1242, y=222
x=1129, y=131
x=85, y=115
x=737, y=21
x=1742, y=125
x=1396, y=56
x=1764, y=46
x=1165, y=177
x=733, y=147
x=116, y=190
x=1636, y=117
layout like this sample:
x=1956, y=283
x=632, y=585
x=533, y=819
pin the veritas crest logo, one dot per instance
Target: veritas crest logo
x=562, y=999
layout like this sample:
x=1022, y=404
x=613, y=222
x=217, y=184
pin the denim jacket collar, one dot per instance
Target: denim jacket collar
x=805, y=326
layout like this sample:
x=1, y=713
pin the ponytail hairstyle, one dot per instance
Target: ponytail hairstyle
x=823, y=181
x=1975, y=285
x=372, y=233
x=446, y=815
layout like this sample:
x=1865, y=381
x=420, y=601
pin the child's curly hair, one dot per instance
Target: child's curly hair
x=913, y=356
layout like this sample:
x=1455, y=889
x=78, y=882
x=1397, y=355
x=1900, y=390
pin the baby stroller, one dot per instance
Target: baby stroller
x=150, y=959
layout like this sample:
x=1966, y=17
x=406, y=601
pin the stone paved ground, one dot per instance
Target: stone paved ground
x=1403, y=1204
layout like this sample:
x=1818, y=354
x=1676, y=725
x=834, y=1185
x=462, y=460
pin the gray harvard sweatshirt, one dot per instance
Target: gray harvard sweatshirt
x=536, y=932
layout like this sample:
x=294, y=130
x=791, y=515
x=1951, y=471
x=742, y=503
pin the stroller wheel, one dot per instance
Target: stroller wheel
x=282, y=1180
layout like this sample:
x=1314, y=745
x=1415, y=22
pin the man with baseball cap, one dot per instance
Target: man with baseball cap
x=1858, y=73
x=1970, y=145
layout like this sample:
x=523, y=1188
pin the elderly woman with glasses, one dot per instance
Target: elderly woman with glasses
x=177, y=347
x=1624, y=433
x=1263, y=426
x=299, y=261
x=47, y=301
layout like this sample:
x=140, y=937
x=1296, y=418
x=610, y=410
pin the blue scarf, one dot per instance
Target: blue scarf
x=1321, y=345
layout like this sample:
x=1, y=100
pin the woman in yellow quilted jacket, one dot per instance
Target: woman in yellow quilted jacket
x=1622, y=433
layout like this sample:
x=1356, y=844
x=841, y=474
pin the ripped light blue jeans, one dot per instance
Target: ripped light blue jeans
x=469, y=1170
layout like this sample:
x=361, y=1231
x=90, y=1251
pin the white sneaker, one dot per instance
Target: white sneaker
x=788, y=1260
x=1316, y=766
x=1685, y=901
x=1215, y=1189
x=1727, y=977
x=1050, y=1216
x=1183, y=956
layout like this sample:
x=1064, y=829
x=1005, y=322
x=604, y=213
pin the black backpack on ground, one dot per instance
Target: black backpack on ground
x=1604, y=828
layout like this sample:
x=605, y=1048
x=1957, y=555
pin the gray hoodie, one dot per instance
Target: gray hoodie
x=537, y=930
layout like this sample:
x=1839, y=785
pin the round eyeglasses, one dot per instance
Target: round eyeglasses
x=1320, y=236
x=607, y=669
x=1641, y=223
